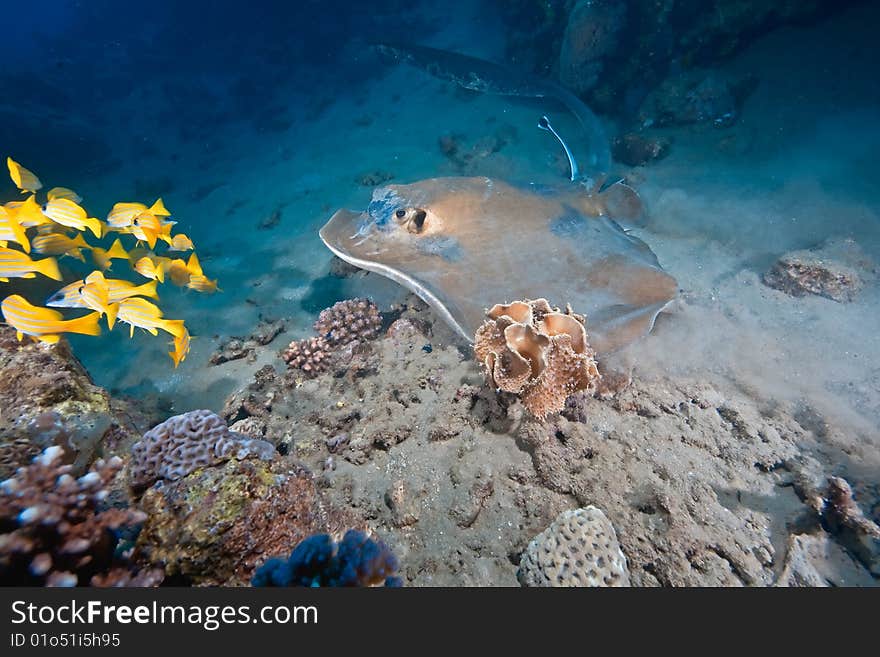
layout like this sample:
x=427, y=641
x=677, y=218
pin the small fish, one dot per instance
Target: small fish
x=25, y=180
x=12, y=231
x=181, y=348
x=42, y=323
x=140, y=313
x=95, y=294
x=67, y=213
x=123, y=214
x=148, y=268
x=69, y=296
x=63, y=192
x=180, y=242
x=177, y=271
x=201, y=283
x=103, y=258
x=15, y=264
x=28, y=212
x=60, y=244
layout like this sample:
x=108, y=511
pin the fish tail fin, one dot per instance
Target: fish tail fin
x=48, y=267
x=112, y=311
x=160, y=274
x=94, y=225
x=148, y=290
x=174, y=326
x=116, y=250
x=87, y=325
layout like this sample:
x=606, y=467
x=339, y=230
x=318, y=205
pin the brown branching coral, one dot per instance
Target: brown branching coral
x=537, y=352
x=186, y=442
x=348, y=321
x=311, y=355
x=344, y=323
x=53, y=532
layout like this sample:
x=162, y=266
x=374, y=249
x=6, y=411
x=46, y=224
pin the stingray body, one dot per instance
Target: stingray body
x=465, y=244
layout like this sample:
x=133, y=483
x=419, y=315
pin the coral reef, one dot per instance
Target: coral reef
x=186, y=442
x=580, y=548
x=55, y=533
x=49, y=399
x=537, y=352
x=349, y=321
x=836, y=269
x=356, y=560
x=215, y=525
x=698, y=480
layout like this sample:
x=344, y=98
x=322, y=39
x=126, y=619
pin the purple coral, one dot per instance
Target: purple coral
x=311, y=355
x=183, y=443
x=356, y=560
x=352, y=320
x=53, y=532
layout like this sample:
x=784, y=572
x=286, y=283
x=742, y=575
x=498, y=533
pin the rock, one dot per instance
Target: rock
x=836, y=270
x=49, y=399
x=592, y=33
x=214, y=526
x=374, y=178
x=634, y=149
x=817, y=561
x=694, y=97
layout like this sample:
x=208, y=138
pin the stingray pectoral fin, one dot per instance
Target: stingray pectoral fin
x=343, y=235
x=618, y=326
x=623, y=204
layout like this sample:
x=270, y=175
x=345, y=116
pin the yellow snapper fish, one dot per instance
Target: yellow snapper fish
x=63, y=192
x=137, y=312
x=95, y=294
x=178, y=272
x=197, y=279
x=70, y=295
x=180, y=242
x=12, y=231
x=103, y=257
x=28, y=212
x=65, y=212
x=123, y=215
x=150, y=267
x=42, y=323
x=181, y=348
x=25, y=180
x=60, y=244
x=15, y=264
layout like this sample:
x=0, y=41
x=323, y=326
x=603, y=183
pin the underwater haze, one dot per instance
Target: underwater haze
x=728, y=150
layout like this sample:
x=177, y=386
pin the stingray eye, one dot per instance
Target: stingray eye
x=418, y=221
x=400, y=214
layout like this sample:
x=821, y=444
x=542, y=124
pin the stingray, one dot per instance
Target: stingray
x=464, y=244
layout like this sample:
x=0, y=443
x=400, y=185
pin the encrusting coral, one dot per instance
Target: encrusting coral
x=537, y=352
x=183, y=443
x=580, y=548
x=356, y=560
x=54, y=532
x=344, y=323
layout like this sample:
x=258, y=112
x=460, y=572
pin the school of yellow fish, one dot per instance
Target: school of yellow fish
x=57, y=229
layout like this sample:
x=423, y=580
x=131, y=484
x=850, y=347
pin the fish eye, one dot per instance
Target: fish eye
x=400, y=214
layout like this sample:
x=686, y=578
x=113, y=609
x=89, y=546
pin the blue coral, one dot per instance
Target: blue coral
x=356, y=560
